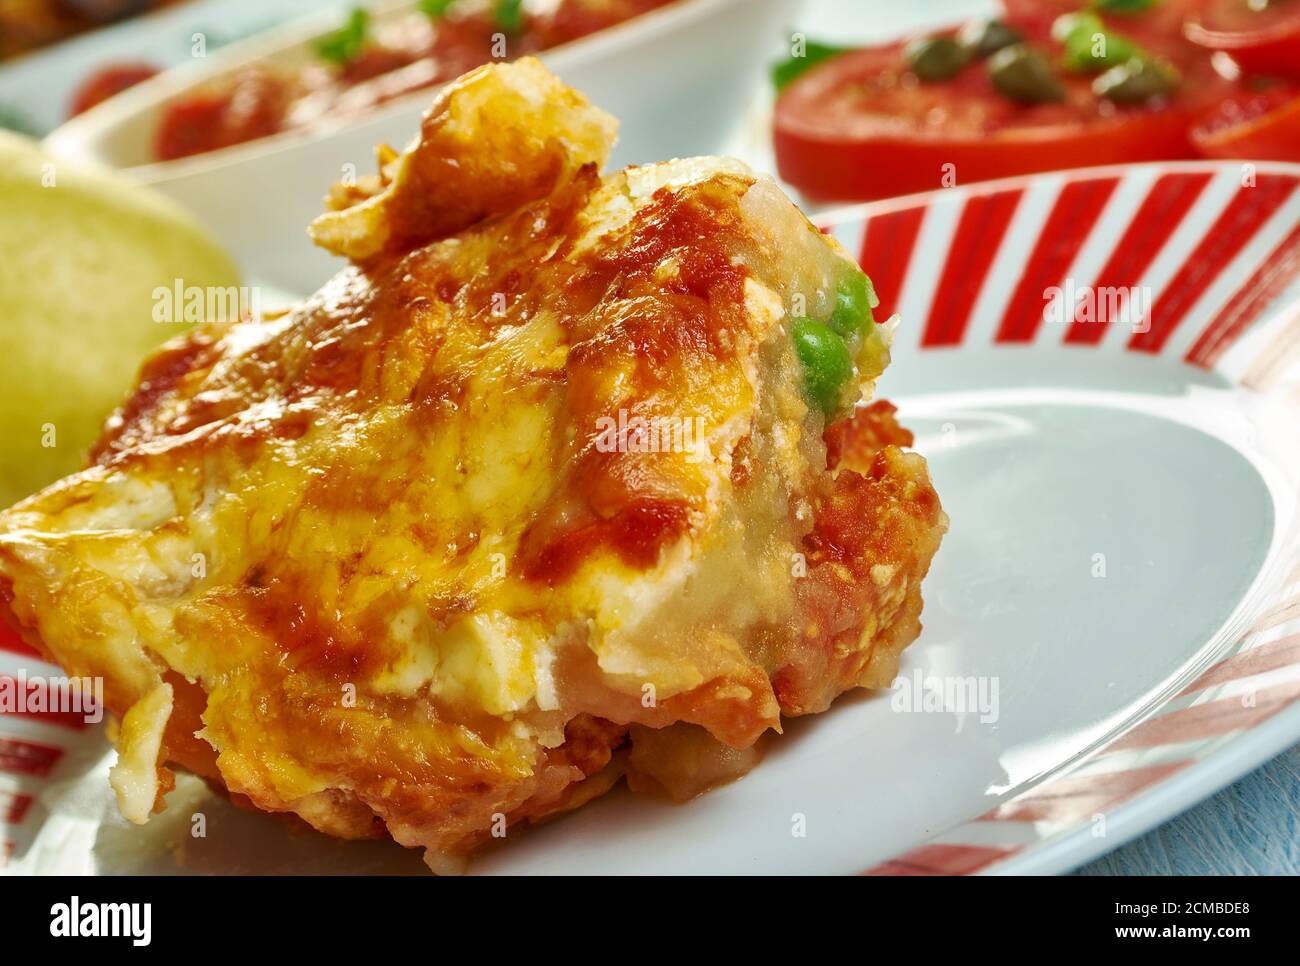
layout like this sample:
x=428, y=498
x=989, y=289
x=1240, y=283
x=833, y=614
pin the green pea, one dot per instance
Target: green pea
x=854, y=300
x=827, y=367
x=1024, y=75
x=984, y=38
x=936, y=58
x=1136, y=82
x=1089, y=46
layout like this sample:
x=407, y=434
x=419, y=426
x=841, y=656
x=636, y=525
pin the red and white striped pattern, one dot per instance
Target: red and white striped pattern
x=1216, y=244
x=1218, y=247
x=31, y=748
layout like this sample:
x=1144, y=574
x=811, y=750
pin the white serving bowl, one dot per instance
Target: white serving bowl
x=678, y=79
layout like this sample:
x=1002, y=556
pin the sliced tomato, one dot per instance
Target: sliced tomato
x=1262, y=40
x=860, y=126
x=1160, y=15
x=107, y=81
x=1260, y=125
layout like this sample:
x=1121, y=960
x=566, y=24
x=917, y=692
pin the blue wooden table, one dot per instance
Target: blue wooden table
x=1250, y=828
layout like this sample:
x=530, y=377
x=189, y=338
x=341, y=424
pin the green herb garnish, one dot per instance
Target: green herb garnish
x=813, y=54
x=509, y=15
x=343, y=45
x=434, y=9
x=1089, y=46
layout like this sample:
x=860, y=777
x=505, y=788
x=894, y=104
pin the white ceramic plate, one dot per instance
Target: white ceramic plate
x=1115, y=614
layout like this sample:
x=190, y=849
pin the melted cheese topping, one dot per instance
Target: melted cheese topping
x=139, y=747
x=380, y=548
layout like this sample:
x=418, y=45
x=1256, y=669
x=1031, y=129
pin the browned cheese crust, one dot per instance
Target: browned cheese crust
x=382, y=562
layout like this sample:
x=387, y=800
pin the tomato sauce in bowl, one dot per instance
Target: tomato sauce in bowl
x=359, y=67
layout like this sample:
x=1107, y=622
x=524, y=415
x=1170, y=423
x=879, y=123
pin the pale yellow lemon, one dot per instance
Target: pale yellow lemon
x=84, y=256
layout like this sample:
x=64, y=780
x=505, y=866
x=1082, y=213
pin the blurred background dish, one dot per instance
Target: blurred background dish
x=370, y=60
x=42, y=87
x=27, y=25
x=333, y=68
x=688, y=103
x=1044, y=85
